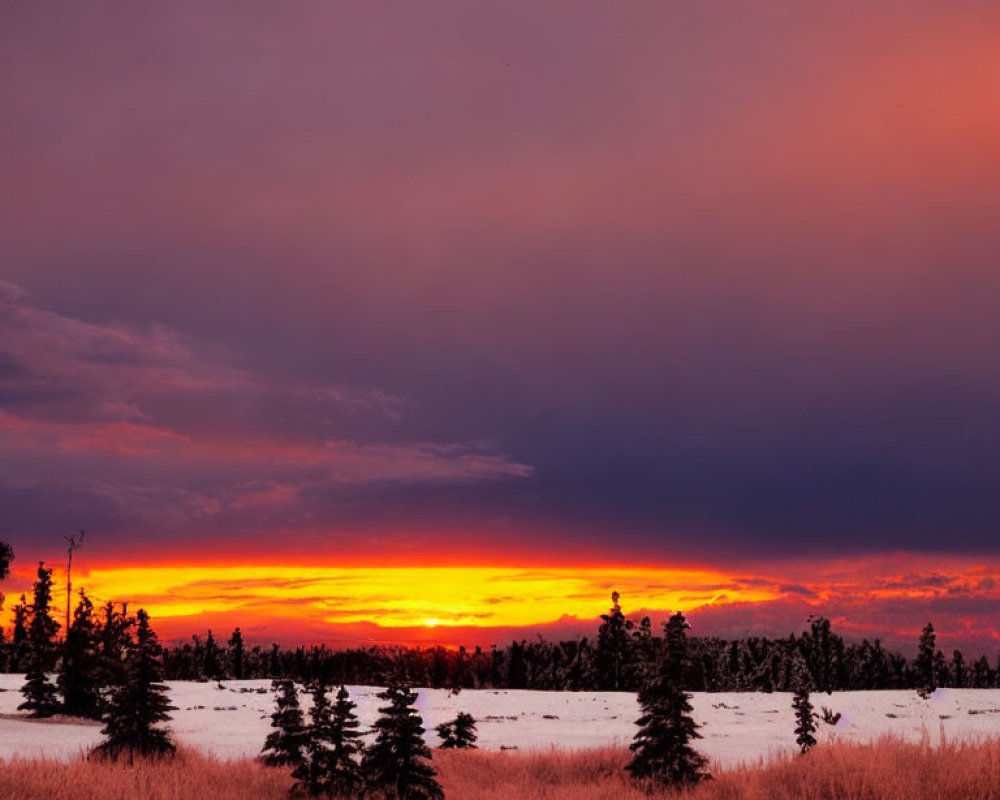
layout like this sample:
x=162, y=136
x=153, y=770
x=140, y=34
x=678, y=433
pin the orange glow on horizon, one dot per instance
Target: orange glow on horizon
x=399, y=597
x=454, y=604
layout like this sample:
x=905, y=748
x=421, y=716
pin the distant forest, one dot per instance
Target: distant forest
x=615, y=659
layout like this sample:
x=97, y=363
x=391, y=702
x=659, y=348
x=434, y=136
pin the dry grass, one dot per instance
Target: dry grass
x=888, y=770
x=190, y=776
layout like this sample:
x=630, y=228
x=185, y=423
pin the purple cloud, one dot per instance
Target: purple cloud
x=116, y=413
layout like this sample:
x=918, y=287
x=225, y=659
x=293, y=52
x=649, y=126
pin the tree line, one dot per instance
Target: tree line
x=610, y=661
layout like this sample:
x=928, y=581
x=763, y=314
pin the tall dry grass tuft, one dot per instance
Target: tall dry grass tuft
x=886, y=770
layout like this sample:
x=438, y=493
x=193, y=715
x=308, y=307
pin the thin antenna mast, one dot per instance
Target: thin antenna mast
x=73, y=542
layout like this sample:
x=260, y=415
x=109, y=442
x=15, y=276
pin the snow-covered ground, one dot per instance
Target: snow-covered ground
x=232, y=722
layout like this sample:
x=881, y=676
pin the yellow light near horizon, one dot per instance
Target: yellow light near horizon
x=398, y=597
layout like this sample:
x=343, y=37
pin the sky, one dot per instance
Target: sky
x=693, y=300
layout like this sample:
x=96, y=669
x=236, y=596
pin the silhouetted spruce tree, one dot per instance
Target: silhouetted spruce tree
x=662, y=756
x=397, y=765
x=138, y=706
x=237, y=654
x=613, y=647
x=344, y=768
x=311, y=774
x=821, y=664
x=40, y=698
x=212, y=661
x=460, y=733
x=115, y=639
x=805, y=724
x=19, y=638
x=942, y=672
x=285, y=744
x=332, y=747
x=923, y=667
x=981, y=673
x=959, y=671
x=274, y=662
x=874, y=667
x=517, y=669
x=642, y=654
x=581, y=669
x=79, y=673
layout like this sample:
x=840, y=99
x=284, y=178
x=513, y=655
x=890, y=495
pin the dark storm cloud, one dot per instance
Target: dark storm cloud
x=690, y=279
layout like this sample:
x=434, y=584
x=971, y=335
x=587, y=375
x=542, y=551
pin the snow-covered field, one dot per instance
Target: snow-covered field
x=232, y=722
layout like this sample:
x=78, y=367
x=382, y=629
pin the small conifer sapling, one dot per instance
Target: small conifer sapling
x=805, y=722
x=459, y=734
